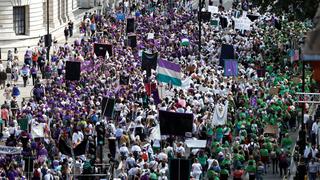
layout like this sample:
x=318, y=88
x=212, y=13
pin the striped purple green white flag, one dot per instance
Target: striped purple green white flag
x=169, y=72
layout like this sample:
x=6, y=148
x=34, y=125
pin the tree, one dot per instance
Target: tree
x=297, y=9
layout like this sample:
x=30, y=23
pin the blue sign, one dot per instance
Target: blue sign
x=121, y=17
x=138, y=14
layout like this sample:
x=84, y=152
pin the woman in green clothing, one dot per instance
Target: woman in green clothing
x=219, y=133
x=203, y=160
x=286, y=142
x=224, y=173
x=251, y=170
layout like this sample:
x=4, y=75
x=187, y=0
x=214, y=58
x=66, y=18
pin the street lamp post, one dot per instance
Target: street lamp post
x=48, y=32
x=199, y=16
x=123, y=6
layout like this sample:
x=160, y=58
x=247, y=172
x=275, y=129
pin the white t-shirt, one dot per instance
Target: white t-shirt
x=305, y=118
x=315, y=127
x=135, y=148
x=60, y=64
x=124, y=150
x=48, y=176
x=196, y=167
x=162, y=156
x=180, y=150
x=77, y=137
x=133, y=171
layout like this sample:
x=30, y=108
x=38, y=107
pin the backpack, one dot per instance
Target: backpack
x=251, y=147
x=3, y=76
x=273, y=155
x=8, y=70
x=109, y=130
x=203, y=131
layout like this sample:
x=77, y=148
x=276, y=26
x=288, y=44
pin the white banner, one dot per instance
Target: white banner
x=196, y=143
x=213, y=9
x=242, y=24
x=10, y=150
x=37, y=130
x=155, y=133
x=220, y=114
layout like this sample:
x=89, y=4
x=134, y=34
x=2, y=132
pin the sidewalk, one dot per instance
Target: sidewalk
x=25, y=92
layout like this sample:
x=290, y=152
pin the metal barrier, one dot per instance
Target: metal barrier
x=106, y=172
x=92, y=177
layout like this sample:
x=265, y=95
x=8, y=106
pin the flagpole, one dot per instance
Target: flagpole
x=199, y=19
x=72, y=154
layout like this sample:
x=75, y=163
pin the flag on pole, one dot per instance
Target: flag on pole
x=230, y=67
x=169, y=72
x=220, y=114
x=185, y=42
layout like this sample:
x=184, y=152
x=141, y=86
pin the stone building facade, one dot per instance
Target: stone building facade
x=27, y=19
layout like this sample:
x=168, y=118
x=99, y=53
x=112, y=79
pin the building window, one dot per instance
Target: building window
x=19, y=20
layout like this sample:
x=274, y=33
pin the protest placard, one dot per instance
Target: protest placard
x=242, y=24
x=213, y=9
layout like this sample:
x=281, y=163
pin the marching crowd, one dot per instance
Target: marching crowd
x=260, y=97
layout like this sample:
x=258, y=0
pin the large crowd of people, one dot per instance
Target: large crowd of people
x=261, y=99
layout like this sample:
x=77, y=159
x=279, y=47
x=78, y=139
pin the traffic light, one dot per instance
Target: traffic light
x=92, y=147
x=100, y=134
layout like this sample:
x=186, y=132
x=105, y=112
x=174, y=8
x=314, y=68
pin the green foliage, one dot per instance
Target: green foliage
x=297, y=9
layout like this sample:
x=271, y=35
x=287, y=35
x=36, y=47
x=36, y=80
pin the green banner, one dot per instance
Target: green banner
x=23, y=123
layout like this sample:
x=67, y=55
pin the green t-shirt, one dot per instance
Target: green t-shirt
x=214, y=144
x=153, y=176
x=251, y=169
x=23, y=123
x=219, y=131
x=264, y=152
x=268, y=145
x=224, y=171
x=203, y=160
x=239, y=157
x=225, y=162
x=219, y=149
x=286, y=142
x=209, y=131
x=212, y=175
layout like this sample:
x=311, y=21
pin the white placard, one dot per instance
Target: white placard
x=37, y=130
x=150, y=36
x=213, y=9
x=196, y=143
x=242, y=24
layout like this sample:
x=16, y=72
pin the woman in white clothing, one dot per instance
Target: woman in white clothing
x=196, y=169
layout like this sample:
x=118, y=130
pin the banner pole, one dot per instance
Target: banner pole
x=199, y=19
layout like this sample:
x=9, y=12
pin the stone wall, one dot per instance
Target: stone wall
x=60, y=12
